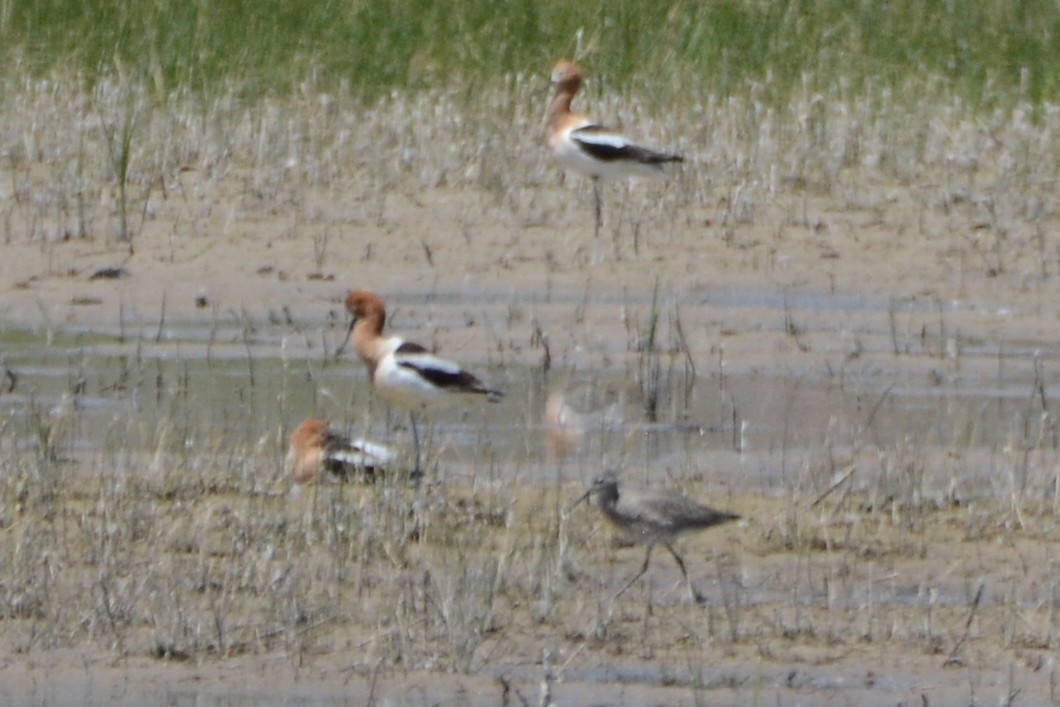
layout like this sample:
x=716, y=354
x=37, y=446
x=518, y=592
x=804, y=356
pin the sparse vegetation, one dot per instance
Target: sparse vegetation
x=887, y=427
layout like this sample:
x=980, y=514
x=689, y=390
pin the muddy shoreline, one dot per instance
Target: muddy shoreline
x=890, y=291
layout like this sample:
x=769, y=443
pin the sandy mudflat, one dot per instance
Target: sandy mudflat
x=857, y=274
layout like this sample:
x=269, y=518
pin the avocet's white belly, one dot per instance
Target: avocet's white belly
x=406, y=387
x=573, y=156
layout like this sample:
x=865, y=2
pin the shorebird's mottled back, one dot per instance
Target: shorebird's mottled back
x=659, y=514
x=652, y=516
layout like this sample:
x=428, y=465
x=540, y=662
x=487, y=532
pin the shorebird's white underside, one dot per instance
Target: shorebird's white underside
x=403, y=380
x=573, y=148
x=364, y=454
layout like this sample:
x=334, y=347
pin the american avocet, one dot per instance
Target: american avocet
x=405, y=374
x=591, y=149
x=316, y=449
x=653, y=517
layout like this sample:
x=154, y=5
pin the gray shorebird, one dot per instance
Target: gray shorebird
x=652, y=517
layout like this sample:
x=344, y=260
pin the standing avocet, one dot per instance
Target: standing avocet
x=591, y=149
x=405, y=374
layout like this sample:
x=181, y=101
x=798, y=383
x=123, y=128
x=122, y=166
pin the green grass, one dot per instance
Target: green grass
x=984, y=52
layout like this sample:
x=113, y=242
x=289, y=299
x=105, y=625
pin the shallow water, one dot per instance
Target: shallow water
x=775, y=424
x=243, y=388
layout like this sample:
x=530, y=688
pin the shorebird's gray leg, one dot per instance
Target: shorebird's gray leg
x=597, y=216
x=417, y=472
x=695, y=596
x=643, y=569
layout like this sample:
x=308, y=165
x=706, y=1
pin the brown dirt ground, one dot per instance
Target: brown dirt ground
x=257, y=255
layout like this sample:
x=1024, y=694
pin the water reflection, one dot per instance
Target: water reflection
x=214, y=389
